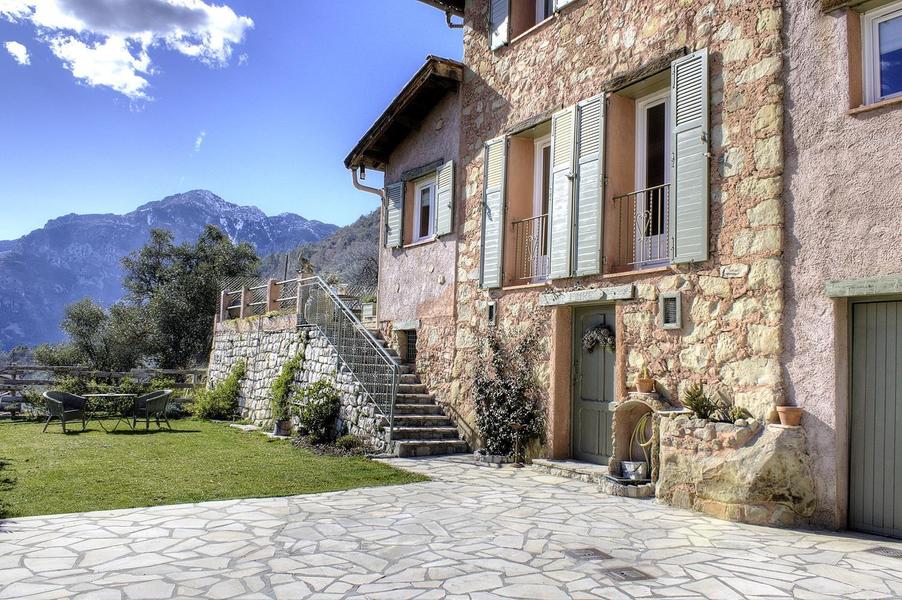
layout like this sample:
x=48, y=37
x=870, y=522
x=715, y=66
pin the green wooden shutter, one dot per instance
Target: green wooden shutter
x=444, y=199
x=499, y=23
x=561, y=209
x=589, y=211
x=689, y=175
x=493, y=212
x=394, y=214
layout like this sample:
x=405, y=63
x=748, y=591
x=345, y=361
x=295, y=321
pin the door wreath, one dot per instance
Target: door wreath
x=600, y=335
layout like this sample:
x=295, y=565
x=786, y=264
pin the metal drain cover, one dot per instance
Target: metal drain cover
x=886, y=551
x=627, y=574
x=587, y=554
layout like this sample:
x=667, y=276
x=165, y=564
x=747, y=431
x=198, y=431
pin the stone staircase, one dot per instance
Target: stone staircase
x=421, y=426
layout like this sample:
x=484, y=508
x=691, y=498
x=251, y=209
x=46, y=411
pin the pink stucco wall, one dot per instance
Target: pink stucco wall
x=417, y=282
x=843, y=212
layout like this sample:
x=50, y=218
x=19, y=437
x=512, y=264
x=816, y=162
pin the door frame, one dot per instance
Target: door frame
x=844, y=392
x=575, y=349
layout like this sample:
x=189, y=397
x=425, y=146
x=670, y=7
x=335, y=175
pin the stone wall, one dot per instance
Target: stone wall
x=732, y=303
x=266, y=344
x=741, y=472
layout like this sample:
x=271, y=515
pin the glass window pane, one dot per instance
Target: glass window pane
x=425, y=210
x=890, y=41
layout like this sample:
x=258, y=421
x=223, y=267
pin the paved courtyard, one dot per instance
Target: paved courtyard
x=472, y=532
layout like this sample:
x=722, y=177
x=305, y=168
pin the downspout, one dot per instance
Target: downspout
x=366, y=188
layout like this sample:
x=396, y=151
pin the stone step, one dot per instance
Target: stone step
x=420, y=420
x=410, y=448
x=407, y=369
x=425, y=433
x=415, y=399
x=411, y=388
x=411, y=378
x=419, y=409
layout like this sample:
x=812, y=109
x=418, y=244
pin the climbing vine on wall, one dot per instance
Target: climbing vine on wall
x=507, y=397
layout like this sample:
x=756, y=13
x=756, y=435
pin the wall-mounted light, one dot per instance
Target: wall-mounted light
x=491, y=313
x=362, y=172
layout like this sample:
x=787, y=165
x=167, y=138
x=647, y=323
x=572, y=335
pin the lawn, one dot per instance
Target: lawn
x=55, y=473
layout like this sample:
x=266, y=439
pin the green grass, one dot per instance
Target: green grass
x=54, y=473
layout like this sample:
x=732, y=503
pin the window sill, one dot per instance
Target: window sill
x=418, y=243
x=635, y=273
x=531, y=30
x=865, y=108
x=525, y=286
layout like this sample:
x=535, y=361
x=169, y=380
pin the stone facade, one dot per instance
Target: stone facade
x=732, y=304
x=741, y=472
x=266, y=344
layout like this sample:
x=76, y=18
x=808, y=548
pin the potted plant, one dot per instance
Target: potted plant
x=790, y=416
x=645, y=383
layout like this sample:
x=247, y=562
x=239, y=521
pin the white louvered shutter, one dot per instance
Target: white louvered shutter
x=444, y=199
x=559, y=4
x=493, y=212
x=689, y=176
x=394, y=214
x=561, y=205
x=589, y=202
x=499, y=23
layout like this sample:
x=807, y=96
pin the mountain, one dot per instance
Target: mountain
x=340, y=254
x=77, y=256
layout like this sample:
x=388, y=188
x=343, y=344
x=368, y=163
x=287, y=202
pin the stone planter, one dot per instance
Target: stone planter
x=492, y=459
x=282, y=428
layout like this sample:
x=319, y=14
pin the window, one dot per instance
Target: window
x=652, y=176
x=544, y=9
x=424, y=209
x=882, y=34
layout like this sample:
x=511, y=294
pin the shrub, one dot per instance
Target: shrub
x=506, y=392
x=221, y=401
x=319, y=412
x=349, y=442
x=283, y=389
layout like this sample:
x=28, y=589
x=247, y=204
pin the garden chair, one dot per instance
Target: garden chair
x=153, y=405
x=66, y=407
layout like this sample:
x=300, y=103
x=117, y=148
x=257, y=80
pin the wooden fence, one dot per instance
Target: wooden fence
x=15, y=378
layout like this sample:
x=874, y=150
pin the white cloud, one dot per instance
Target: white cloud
x=18, y=52
x=199, y=141
x=108, y=42
x=242, y=59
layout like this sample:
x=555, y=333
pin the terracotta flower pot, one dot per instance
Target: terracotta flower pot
x=790, y=415
x=645, y=386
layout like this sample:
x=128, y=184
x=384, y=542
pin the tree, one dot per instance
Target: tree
x=177, y=289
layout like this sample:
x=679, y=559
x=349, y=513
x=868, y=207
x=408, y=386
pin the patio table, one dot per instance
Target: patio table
x=119, y=411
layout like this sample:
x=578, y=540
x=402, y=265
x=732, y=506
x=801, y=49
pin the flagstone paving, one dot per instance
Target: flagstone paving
x=472, y=532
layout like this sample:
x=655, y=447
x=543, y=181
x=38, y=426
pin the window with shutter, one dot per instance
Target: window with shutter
x=445, y=199
x=499, y=23
x=394, y=214
x=561, y=209
x=493, y=212
x=689, y=178
x=589, y=206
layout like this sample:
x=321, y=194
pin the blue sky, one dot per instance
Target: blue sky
x=266, y=120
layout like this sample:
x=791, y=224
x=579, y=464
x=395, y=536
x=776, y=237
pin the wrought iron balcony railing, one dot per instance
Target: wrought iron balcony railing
x=531, y=249
x=643, y=227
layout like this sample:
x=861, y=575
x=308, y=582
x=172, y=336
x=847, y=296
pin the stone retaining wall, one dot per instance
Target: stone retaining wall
x=739, y=471
x=266, y=344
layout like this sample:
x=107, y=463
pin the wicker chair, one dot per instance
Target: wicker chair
x=66, y=407
x=153, y=405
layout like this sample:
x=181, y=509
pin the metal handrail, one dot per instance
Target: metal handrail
x=648, y=237
x=368, y=361
x=531, y=248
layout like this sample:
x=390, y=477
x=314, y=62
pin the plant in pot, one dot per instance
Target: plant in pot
x=645, y=383
x=282, y=391
x=790, y=416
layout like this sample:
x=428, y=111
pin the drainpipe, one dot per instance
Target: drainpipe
x=366, y=188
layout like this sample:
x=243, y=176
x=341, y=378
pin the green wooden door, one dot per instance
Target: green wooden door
x=593, y=393
x=875, y=474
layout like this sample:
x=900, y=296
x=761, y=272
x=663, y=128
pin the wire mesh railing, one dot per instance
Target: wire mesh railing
x=317, y=304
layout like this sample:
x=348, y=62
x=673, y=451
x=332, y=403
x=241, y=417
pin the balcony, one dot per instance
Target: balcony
x=642, y=222
x=530, y=250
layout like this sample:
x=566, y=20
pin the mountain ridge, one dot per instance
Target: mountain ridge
x=79, y=255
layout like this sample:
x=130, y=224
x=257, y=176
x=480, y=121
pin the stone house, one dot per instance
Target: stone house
x=842, y=330
x=619, y=167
